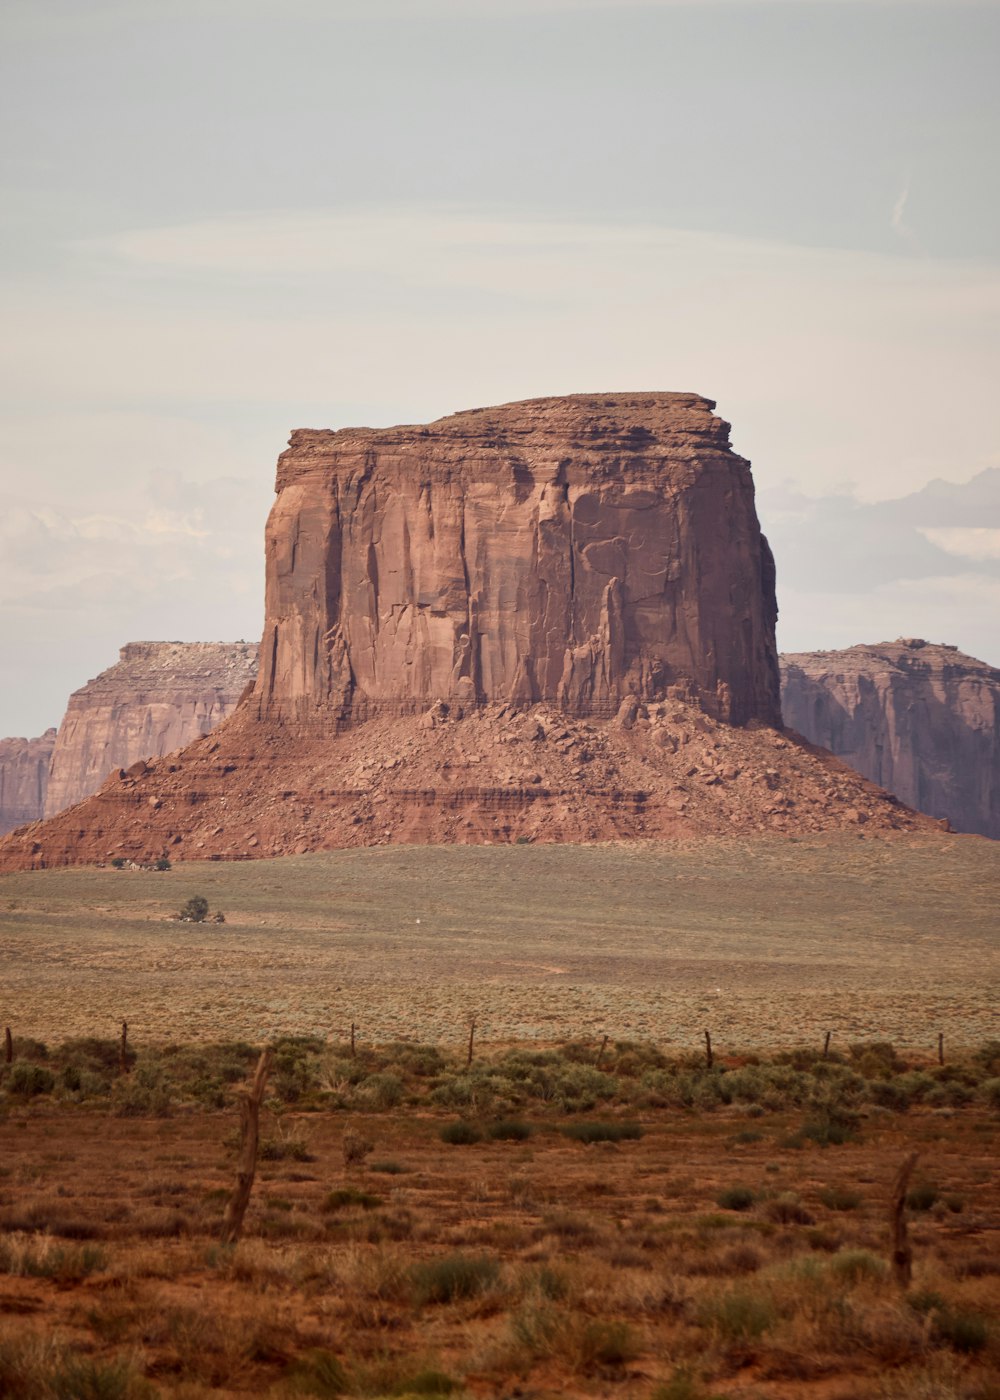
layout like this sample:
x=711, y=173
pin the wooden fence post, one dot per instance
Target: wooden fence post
x=123, y=1053
x=940, y=1047
x=8, y=1046
x=902, y=1250
x=826, y=1045
x=472, y=1036
x=709, y=1057
x=353, y=1048
x=249, y=1101
x=600, y=1053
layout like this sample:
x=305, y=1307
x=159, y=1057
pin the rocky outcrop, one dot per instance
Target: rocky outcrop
x=573, y=551
x=550, y=621
x=159, y=697
x=24, y=774
x=920, y=719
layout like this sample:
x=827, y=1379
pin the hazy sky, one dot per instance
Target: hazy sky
x=223, y=219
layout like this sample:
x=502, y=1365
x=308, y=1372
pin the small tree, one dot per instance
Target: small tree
x=195, y=911
x=163, y=863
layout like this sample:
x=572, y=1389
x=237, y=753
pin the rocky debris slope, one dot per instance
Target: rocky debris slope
x=548, y=621
x=24, y=774
x=497, y=773
x=159, y=697
x=573, y=550
x=922, y=720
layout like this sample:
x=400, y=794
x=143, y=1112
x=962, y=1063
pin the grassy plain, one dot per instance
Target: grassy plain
x=767, y=942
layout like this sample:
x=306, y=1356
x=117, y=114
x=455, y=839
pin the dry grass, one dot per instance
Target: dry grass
x=557, y=1266
x=767, y=941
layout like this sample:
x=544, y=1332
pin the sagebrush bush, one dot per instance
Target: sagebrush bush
x=461, y=1134
x=603, y=1132
x=455, y=1277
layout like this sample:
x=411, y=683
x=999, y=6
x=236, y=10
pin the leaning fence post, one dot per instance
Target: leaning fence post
x=8, y=1046
x=472, y=1036
x=902, y=1251
x=249, y=1101
x=826, y=1045
x=709, y=1057
x=123, y=1053
x=600, y=1053
x=940, y=1047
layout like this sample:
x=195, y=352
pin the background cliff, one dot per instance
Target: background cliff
x=160, y=696
x=24, y=776
x=920, y=719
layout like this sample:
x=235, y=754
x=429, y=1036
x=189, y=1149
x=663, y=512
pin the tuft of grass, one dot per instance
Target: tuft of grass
x=853, y=1266
x=840, y=1198
x=735, y=1198
x=739, y=1316
x=960, y=1328
x=320, y=1372
x=453, y=1278
x=603, y=1132
x=922, y=1195
x=346, y=1197
x=388, y=1168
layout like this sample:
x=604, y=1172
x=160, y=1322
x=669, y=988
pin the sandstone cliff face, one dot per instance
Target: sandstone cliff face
x=159, y=697
x=573, y=550
x=550, y=621
x=24, y=774
x=919, y=719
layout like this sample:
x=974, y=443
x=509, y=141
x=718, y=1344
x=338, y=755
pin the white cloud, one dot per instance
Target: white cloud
x=968, y=543
x=830, y=364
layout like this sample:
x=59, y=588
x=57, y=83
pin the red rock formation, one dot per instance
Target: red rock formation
x=919, y=719
x=548, y=621
x=24, y=773
x=159, y=697
x=573, y=550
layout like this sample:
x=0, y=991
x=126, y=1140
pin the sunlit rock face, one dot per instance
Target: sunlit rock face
x=919, y=719
x=569, y=550
x=160, y=696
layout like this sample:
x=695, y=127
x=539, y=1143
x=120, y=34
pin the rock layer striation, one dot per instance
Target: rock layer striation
x=572, y=551
x=24, y=775
x=920, y=719
x=160, y=696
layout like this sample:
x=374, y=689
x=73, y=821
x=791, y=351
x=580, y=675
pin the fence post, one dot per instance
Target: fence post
x=902, y=1250
x=709, y=1057
x=250, y=1101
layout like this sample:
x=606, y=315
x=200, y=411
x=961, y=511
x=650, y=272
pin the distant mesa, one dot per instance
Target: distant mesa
x=24, y=777
x=160, y=696
x=920, y=719
x=551, y=620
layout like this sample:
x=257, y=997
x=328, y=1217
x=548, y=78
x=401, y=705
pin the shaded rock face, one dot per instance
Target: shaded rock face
x=573, y=551
x=159, y=697
x=24, y=775
x=919, y=719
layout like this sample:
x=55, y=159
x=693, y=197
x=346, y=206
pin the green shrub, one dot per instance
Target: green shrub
x=603, y=1132
x=384, y=1090
x=603, y=1342
x=455, y=1277
x=961, y=1329
x=388, y=1168
x=145, y=1093
x=426, y=1382
x=284, y=1147
x=195, y=911
x=735, y=1198
x=460, y=1134
x=509, y=1130
x=787, y=1209
x=27, y=1081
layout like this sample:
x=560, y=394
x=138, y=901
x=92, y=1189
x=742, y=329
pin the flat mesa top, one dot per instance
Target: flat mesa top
x=654, y=414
